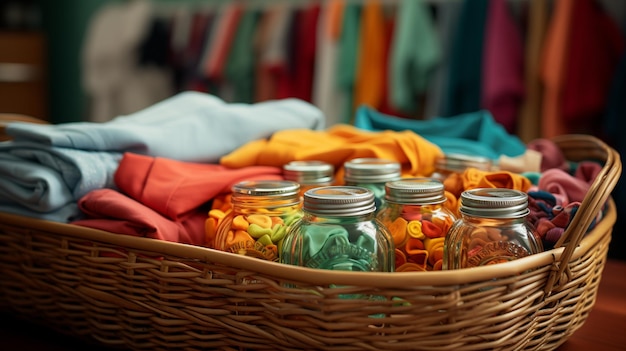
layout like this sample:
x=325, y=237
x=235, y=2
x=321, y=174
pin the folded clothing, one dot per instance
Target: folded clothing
x=173, y=188
x=41, y=180
x=112, y=211
x=162, y=198
x=190, y=126
x=475, y=134
x=336, y=145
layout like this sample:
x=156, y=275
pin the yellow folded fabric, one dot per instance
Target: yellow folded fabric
x=336, y=145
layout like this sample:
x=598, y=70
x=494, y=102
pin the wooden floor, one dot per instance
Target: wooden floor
x=604, y=330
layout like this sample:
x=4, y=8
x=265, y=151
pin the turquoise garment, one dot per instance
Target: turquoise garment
x=475, y=134
x=241, y=58
x=415, y=53
x=317, y=238
x=348, y=56
x=463, y=92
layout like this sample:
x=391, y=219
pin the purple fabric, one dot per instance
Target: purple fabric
x=548, y=218
x=551, y=154
x=565, y=187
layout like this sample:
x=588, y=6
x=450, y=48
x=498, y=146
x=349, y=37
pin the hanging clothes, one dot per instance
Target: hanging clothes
x=554, y=59
x=502, y=66
x=463, y=91
x=529, y=120
x=272, y=71
x=595, y=47
x=326, y=94
x=447, y=16
x=112, y=78
x=222, y=34
x=303, y=47
x=239, y=67
x=347, y=56
x=195, y=51
x=368, y=89
x=415, y=53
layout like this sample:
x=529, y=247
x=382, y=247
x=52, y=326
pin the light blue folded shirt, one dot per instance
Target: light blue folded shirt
x=43, y=179
x=190, y=126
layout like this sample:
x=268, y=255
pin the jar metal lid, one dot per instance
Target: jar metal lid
x=309, y=172
x=456, y=162
x=339, y=201
x=494, y=203
x=371, y=170
x=276, y=190
x=415, y=191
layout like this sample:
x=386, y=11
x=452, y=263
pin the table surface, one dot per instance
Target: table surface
x=604, y=329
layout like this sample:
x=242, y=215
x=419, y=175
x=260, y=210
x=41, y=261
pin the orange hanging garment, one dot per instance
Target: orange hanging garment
x=370, y=68
x=553, y=67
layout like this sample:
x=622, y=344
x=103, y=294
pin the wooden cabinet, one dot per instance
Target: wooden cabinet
x=23, y=82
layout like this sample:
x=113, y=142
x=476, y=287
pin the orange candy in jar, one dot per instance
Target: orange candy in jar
x=492, y=229
x=261, y=214
x=416, y=218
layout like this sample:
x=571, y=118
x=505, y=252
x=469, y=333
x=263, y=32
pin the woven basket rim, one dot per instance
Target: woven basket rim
x=316, y=276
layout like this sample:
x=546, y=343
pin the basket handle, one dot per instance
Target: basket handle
x=584, y=147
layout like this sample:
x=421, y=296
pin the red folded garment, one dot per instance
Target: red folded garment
x=173, y=188
x=163, y=198
x=109, y=210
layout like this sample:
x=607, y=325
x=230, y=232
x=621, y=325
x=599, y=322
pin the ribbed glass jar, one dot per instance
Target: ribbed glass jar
x=372, y=173
x=457, y=163
x=339, y=231
x=493, y=228
x=415, y=215
x=309, y=174
x=261, y=214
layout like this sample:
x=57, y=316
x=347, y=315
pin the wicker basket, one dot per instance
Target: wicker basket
x=140, y=293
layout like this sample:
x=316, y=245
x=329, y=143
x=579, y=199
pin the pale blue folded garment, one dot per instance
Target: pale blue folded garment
x=41, y=180
x=475, y=134
x=190, y=126
x=68, y=213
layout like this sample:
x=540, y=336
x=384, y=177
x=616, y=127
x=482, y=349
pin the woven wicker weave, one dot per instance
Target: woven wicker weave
x=146, y=294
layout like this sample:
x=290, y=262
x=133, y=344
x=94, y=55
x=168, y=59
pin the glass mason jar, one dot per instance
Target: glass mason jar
x=372, y=173
x=458, y=163
x=414, y=214
x=261, y=214
x=493, y=228
x=309, y=174
x=339, y=231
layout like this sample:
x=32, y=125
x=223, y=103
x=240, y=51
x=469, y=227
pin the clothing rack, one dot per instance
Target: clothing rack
x=167, y=9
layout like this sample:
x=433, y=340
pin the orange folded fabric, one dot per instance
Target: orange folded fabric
x=473, y=178
x=336, y=145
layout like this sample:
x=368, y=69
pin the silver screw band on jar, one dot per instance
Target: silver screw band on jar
x=415, y=191
x=259, y=192
x=371, y=170
x=339, y=201
x=455, y=162
x=494, y=203
x=309, y=172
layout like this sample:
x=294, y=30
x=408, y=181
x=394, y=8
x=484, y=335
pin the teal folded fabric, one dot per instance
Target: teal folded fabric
x=475, y=134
